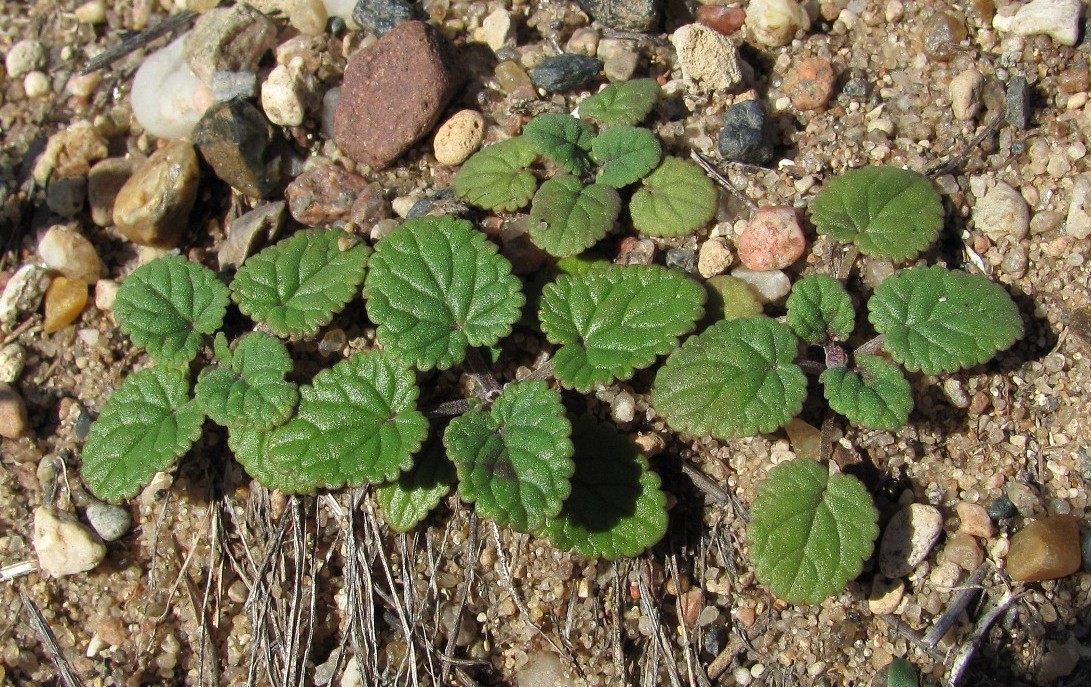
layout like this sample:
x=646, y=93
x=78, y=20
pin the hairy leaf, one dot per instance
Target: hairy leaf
x=674, y=200
x=168, y=305
x=809, y=532
x=626, y=103
x=615, y=320
x=436, y=287
x=575, y=216
x=248, y=447
x=563, y=139
x=626, y=155
x=496, y=178
x=299, y=284
x=877, y=396
x=737, y=378
x=247, y=388
x=938, y=320
x=409, y=499
x=819, y=309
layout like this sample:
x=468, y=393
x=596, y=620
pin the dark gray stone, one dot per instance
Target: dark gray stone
x=1001, y=508
x=442, y=202
x=1085, y=547
x=744, y=136
x=565, y=72
x=714, y=641
x=857, y=86
x=681, y=259
x=379, y=16
x=625, y=15
x=1017, y=102
x=240, y=145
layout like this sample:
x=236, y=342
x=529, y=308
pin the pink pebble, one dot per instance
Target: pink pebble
x=772, y=240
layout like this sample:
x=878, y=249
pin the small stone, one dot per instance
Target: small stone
x=885, y=595
x=744, y=136
x=65, y=195
x=13, y=413
x=714, y=640
x=24, y=57
x=621, y=66
x=497, y=29
x=681, y=259
x=12, y=361
x=1078, y=220
x=1001, y=508
x=963, y=550
x=624, y=15
x=1017, y=102
x=68, y=252
x=70, y=153
x=723, y=20
x=810, y=85
x=36, y=84
x=152, y=208
x=511, y=77
x=309, y=17
x=1074, y=79
x=584, y=41
x=442, y=202
x=1060, y=660
x=458, y=137
x=323, y=194
x=945, y=576
x=370, y=207
x=92, y=12
x=804, y=438
x=714, y=257
x=1024, y=498
x=634, y=251
x=394, y=92
x=543, y=669
x=775, y=22
x=768, y=286
x=231, y=85
x=974, y=520
x=240, y=145
x=956, y=393
x=1058, y=19
x=104, y=181
x=772, y=239
x=106, y=294
x=942, y=35
x=730, y=298
x=64, y=545
x=288, y=94
x=167, y=97
x=1002, y=212
x=857, y=88
x=262, y=224
x=65, y=300
x=23, y=293
x=965, y=91
x=707, y=57
x=1046, y=549
x=565, y=72
x=381, y=16
x=109, y=521
x=908, y=539
x=83, y=85
x=228, y=39
x=623, y=408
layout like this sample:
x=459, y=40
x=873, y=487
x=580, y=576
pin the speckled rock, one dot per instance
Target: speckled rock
x=104, y=181
x=109, y=521
x=458, y=137
x=240, y=145
x=1058, y=19
x=772, y=240
x=289, y=93
x=381, y=16
x=775, y=22
x=70, y=253
x=70, y=153
x=564, y=72
x=1002, y=212
x=624, y=15
x=394, y=92
x=25, y=56
x=229, y=39
x=323, y=194
x=965, y=92
x=23, y=293
x=1046, y=549
x=13, y=359
x=707, y=57
x=744, y=136
x=152, y=208
x=714, y=257
x=909, y=538
x=974, y=520
x=1017, y=102
x=963, y=550
x=768, y=287
x=810, y=85
x=13, y=413
x=64, y=545
x=1077, y=222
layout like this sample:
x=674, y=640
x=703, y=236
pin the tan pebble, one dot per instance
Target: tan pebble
x=459, y=137
x=36, y=85
x=112, y=631
x=83, y=85
x=885, y=595
x=104, y=181
x=153, y=206
x=774, y=22
x=105, y=294
x=945, y=576
x=908, y=539
x=13, y=413
x=65, y=299
x=963, y=550
x=714, y=257
x=309, y=17
x=1046, y=549
x=70, y=253
x=974, y=520
x=772, y=240
x=93, y=12
x=12, y=360
x=708, y=58
x=746, y=616
x=806, y=439
x=64, y=545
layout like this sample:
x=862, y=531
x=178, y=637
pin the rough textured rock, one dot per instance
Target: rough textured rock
x=70, y=153
x=323, y=194
x=109, y=521
x=229, y=39
x=394, y=92
x=240, y=145
x=624, y=15
x=1058, y=19
x=1002, y=212
x=774, y=22
x=1017, y=102
x=564, y=72
x=458, y=137
x=289, y=94
x=1046, y=549
x=707, y=57
x=772, y=240
x=64, y=545
x=810, y=85
x=908, y=539
x=744, y=136
x=153, y=206
x=381, y=16
x=263, y=223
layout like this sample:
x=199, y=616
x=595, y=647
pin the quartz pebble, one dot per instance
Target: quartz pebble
x=309, y=17
x=714, y=257
x=810, y=85
x=885, y=595
x=965, y=92
x=1046, y=549
x=65, y=300
x=323, y=194
x=240, y=145
x=92, y=12
x=774, y=22
x=23, y=293
x=724, y=20
x=152, y=208
x=1024, y=498
x=974, y=520
x=623, y=407
x=24, y=57
x=288, y=94
x=109, y=521
x=1002, y=213
x=381, y=16
x=1058, y=19
x=768, y=286
x=1077, y=222
x=167, y=96
x=106, y=294
x=707, y=57
x=744, y=136
x=68, y=252
x=942, y=35
x=13, y=413
x=64, y=545
x=625, y=15
x=458, y=137
x=496, y=29
x=564, y=72
x=104, y=181
x=543, y=669
x=772, y=239
x=908, y=539
x=36, y=84
x=963, y=550
x=228, y=39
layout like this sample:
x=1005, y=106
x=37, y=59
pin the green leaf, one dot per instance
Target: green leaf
x=626, y=155
x=810, y=532
x=299, y=284
x=168, y=305
x=876, y=397
x=617, y=319
x=937, y=320
x=820, y=310
x=730, y=298
x=410, y=498
x=248, y=447
x=575, y=216
x=496, y=178
x=674, y=200
x=626, y=103
x=147, y=423
x=514, y=461
x=737, y=378
x=436, y=287
x=247, y=388
x=897, y=673
x=616, y=507
x=888, y=212
x=357, y=422
x=563, y=139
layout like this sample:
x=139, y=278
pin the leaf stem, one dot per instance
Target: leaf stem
x=871, y=347
x=486, y=387
x=722, y=180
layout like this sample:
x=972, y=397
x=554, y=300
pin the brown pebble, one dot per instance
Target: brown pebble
x=65, y=299
x=13, y=413
x=724, y=20
x=104, y=182
x=963, y=550
x=772, y=240
x=810, y=85
x=323, y=194
x=942, y=35
x=974, y=520
x=1074, y=79
x=152, y=208
x=1046, y=549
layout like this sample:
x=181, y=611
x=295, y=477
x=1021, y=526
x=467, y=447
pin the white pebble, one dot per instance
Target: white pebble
x=707, y=57
x=105, y=293
x=64, y=545
x=775, y=22
x=1058, y=19
x=93, y=12
x=287, y=94
x=909, y=538
x=68, y=252
x=623, y=407
x=23, y=293
x=1078, y=222
x=965, y=91
x=1002, y=212
x=769, y=287
x=167, y=97
x=24, y=57
x=36, y=84
x=12, y=361
x=496, y=29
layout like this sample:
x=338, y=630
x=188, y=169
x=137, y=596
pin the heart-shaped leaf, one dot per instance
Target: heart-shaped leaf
x=409, y=499
x=496, y=177
x=877, y=396
x=247, y=389
x=626, y=103
x=575, y=216
x=625, y=155
x=820, y=310
x=563, y=139
x=674, y=200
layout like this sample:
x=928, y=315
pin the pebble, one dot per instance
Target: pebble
x=167, y=97
x=394, y=92
x=635, y=251
x=1060, y=660
x=64, y=545
x=1002, y=212
x=772, y=240
x=23, y=293
x=965, y=92
x=103, y=183
x=723, y=20
x=810, y=85
x=152, y=208
x=381, y=16
x=775, y=22
x=730, y=298
x=543, y=669
x=1077, y=222
x=707, y=57
x=963, y=550
x=623, y=407
x=65, y=195
x=65, y=300
x=92, y=12
x=1001, y=508
x=1017, y=102
x=942, y=35
x=768, y=286
x=228, y=39
x=70, y=153
x=497, y=29
x=1024, y=498
x=83, y=85
x=620, y=66
x=804, y=438
x=67, y=251
x=565, y=72
x=106, y=294
x=974, y=520
x=262, y=224
x=240, y=145
x=885, y=595
x=36, y=84
x=109, y=521
x=231, y=85
x=309, y=17
x=13, y=359
x=681, y=259
x=1046, y=549
x=744, y=136
x=1085, y=549
x=13, y=413
x=1075, y=79
x=624, y=15
x=714, y=257
x=370, y=207
x=288, y=94
x=459, y=137
x=24, y=57
x=584, y=41
x=1058, y=19
x=908, y=539
x=323, y=194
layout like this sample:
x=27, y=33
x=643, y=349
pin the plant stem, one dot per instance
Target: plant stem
x=722, y=180
x=485, y=385
x=871, y=347
x=848, y=259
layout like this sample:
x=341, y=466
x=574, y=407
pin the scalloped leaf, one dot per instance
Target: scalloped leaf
x=247, y=388
x=674, y=200
x=888, y=212
x=248, y=447
x=626, y=155
x=937, y=320
x=810, y=532
x=145, y=426
x=820, y=310
x=514, y=461
x=615, y=320
x=616, y=507
x=357, y=423
x=168, y=305
x=625, y=104
x=737, y=378
x=435, y=287
x=299, y=284
x=875, y=396
x=409, y=499
x=496, y=178
x=575, y=216
x=563, y=139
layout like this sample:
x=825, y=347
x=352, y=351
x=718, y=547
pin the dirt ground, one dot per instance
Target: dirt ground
x=221, y=582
